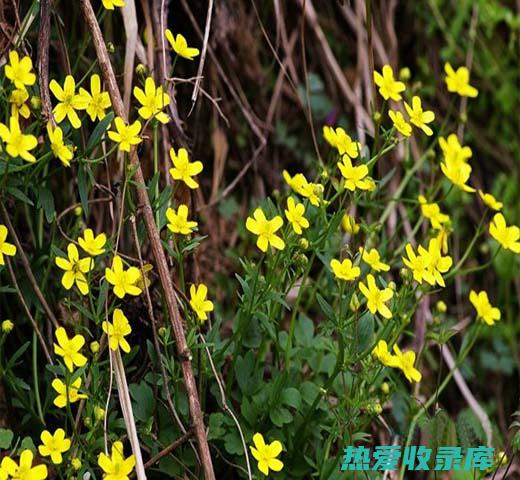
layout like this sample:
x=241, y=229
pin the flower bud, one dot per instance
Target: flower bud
x=99, y=413
x=404, y=273
x=94, y=347
x=501, y=459
x=88, y=422
x=484, y=248
x=324, y=174
x=276, y=194
x=140, y=70
x=404, y=74
x=162, y=332
x=304, y=243
x=76, y=463
x=392, y=286
x=376, y=116
x=78, y=211
x=7, y=326
x=377, y=408
x=36, y=103
x=441, y=307
x=385, y=388
x=354, y=303
x=110, y=47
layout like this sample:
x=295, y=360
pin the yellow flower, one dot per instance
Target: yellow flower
x=199, y=301
x=295, y=214
x=94, y=246
x=490, y=201
x=373, y=259
x=6, y=248
x=266, y=230
x=124, y=281
x=66, y=394
x=306, y=189
x=388, y=86
x=110, y=4
x=125, y=135
x=25, y=470
x=458, y=81
x=180, y=45
x=7, y=326
x=485, y=311
x=419, y=117
x=382, y=353
x=339, y=139
x=75, y=269
x=437, y=264
x=453, y=151
x=376, y=298
x=183, y=169
x=117, y=331
x=19, y=71
x=266, y=455
x=405, y=362
x=400, y=124
x=344, y=270
x=17, y=143
x=153, y=100
x=354, y=176
x=178, y=220
x=508, y=237
x=69, y=349
x=458, y=173
x=94, y=102
x=433, y=213
x=116, y=467
x=17, y=100
x=69, y=101
x=419, y=266
x=58, y=147
x=54, y=445
x=349, y=224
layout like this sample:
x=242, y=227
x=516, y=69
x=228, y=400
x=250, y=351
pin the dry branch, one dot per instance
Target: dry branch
x=155, y=242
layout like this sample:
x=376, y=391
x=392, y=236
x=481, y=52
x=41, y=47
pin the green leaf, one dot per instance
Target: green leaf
x=99, y=130
x=144, y=402
x=83, y=188
x=28, y=444
x=46, y=201
x=292, y=397
x=17, y=193
x=280, y=416
x=6, y=437
x=326, y=307
x=248, y=380
x=304, y=331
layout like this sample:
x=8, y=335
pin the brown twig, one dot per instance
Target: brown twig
x=155, y=242
x=27, y=268
x=44, y=37
x=170, y=448
x=202, y=55
x=153, y=322
x=27, y=311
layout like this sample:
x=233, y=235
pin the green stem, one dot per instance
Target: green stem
x=461, y=357
x=35, y=378
x=156, y=171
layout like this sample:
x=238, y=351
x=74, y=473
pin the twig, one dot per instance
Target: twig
x=27, y=311
x=43, y=59
x=170, y=448
x=225, y=405
x=128, y=414
x=27, y=268
x=154, y=332
x=158, y=252
x=468, y=396
x=202, y=55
